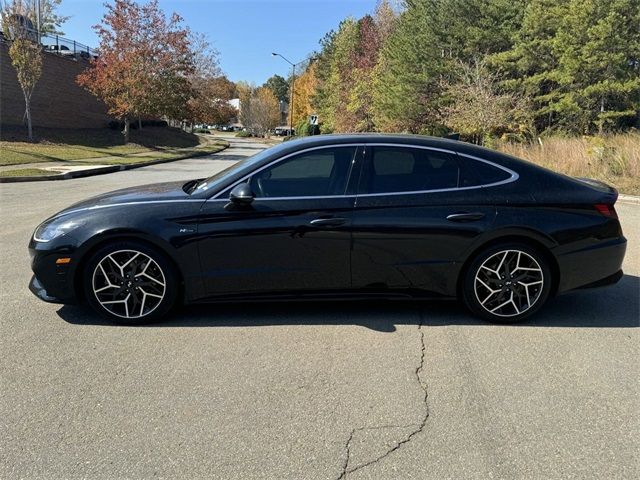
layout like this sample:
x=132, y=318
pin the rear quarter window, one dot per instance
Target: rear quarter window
x=482, y=173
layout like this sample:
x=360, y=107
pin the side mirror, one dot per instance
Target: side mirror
x=242, y=194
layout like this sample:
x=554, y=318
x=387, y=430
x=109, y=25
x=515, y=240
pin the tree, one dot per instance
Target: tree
x=259, y=109
x=334, y=77
x=50, y=19
x=598, y=46
x=479, y=110
x=144, y=64
x=305, y=89
x=25, y=53
x=578, y=60
x=279, y=86
x=364, y=58
x=407, y=83
x=422, y=53
x=210, y=90
x=209, y=102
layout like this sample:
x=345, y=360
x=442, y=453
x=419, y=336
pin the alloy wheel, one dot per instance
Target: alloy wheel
x=509, y=283
x=128, y=284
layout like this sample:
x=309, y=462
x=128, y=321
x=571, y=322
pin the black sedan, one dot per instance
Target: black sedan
x=345, y=216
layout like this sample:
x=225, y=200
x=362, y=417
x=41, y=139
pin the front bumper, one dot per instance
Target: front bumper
x=39, y=291
x=52, y=282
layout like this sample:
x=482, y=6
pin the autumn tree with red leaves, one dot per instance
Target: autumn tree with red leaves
x=144, y=63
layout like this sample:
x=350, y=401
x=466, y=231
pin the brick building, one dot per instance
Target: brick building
x=58, y=101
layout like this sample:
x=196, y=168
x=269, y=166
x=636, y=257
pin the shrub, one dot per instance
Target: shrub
x=243, y=134
x=201, y=130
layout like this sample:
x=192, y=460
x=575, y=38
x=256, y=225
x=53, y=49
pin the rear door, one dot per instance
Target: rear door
x=414, y=220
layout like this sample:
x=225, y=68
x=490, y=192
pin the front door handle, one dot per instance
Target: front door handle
x=328, y=222
x=465, y=216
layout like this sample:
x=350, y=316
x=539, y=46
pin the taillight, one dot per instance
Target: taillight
x=606, y=210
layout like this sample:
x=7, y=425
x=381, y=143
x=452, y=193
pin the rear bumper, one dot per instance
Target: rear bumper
x=610, y=280
x=595, y=266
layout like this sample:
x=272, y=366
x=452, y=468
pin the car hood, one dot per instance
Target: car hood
x=156, y=192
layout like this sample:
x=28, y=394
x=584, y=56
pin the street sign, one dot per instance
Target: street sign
x=313, y=119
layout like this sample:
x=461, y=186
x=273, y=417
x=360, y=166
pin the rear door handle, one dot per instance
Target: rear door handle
x=465, y=216
x=328, y=222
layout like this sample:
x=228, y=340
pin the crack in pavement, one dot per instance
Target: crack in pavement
x=418, y=426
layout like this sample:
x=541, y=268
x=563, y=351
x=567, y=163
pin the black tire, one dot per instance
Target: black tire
x=521, y=301
x=145, y=287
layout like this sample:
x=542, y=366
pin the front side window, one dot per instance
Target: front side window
x=399, y=169
x=321, y=172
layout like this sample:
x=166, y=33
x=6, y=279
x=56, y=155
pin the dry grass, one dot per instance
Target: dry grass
x=613, y=159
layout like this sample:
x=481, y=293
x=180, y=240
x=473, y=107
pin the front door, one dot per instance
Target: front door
x=294, y=238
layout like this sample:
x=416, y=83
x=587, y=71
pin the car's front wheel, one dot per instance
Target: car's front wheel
x=507, y=283
x=130, y=283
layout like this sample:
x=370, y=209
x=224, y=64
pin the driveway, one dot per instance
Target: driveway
x=310, y=391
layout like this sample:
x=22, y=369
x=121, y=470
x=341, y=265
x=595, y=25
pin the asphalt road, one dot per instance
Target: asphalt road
x=310, y=391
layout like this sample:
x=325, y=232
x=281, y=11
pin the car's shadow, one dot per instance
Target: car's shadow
x=617, y=306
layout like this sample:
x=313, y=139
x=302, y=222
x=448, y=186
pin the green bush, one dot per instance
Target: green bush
x=304, y=128
x=243, y=134
x=201, y=130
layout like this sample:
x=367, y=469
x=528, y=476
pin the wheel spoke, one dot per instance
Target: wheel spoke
x=150, y=294
x=130, y=260
x=144, y=298
x=150, y=278
x=106, y=287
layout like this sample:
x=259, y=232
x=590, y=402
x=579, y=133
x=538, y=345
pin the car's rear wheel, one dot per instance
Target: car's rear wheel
x=507, y=283
x=130, y=283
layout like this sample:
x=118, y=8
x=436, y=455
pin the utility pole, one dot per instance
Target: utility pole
x=36, y=8
x=293, y=80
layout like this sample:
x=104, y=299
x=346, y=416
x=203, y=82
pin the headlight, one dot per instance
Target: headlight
x=55, y=228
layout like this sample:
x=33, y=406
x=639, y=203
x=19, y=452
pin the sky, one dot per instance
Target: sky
x=244, y=32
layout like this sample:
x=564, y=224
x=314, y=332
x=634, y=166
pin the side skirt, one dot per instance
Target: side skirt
x=332, y=296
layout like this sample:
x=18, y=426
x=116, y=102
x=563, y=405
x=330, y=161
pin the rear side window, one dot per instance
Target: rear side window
x=481, y=173
x=398, y=169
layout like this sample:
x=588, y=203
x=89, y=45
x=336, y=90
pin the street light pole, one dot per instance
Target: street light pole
x=293, y=80
x=293, y=83
x=38, y=12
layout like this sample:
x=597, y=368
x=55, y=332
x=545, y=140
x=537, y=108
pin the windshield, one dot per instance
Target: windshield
x=242, y=165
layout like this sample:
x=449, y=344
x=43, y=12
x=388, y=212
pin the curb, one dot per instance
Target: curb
x=630, y=199
x=103, y=170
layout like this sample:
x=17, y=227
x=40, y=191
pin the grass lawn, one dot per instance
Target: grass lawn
x=26, y=172
x=66, y=145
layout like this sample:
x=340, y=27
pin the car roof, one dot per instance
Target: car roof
x=399, y=138
x=391, y=138
x=458, y=146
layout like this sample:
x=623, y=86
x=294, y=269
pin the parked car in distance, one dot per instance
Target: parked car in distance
x=65, y=51
x=59, y=50
x=284, y=131
x=335, y=216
